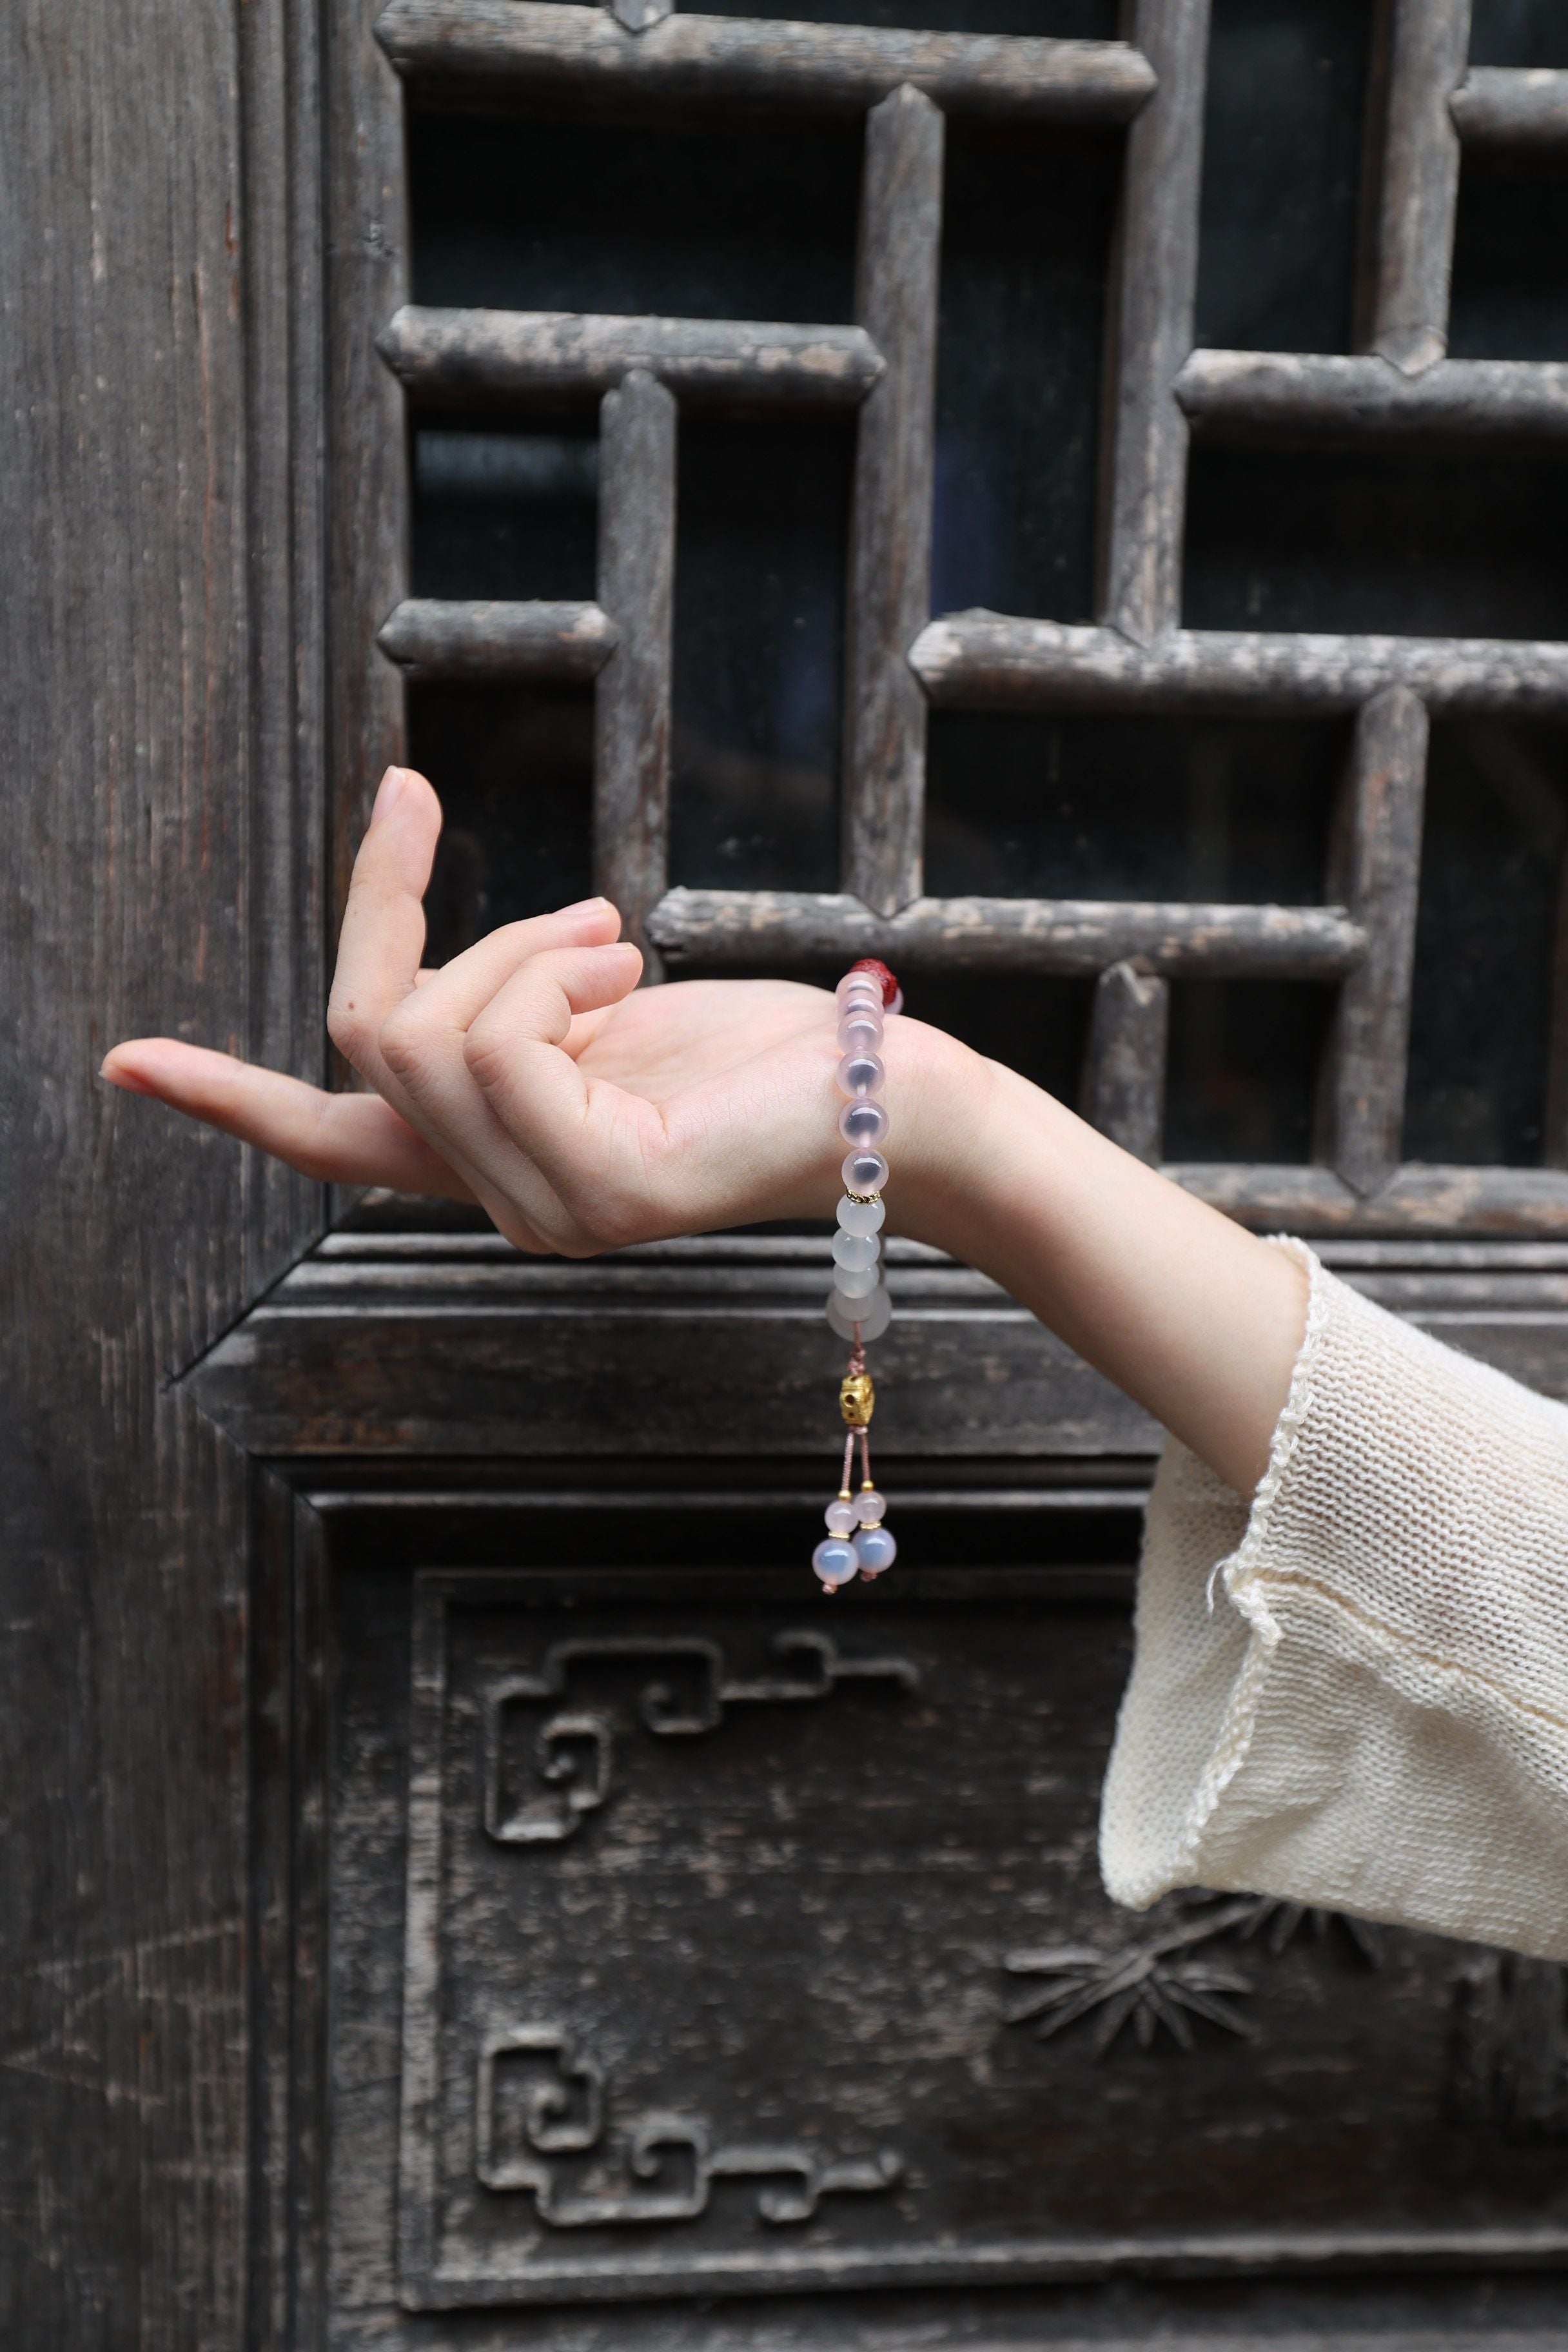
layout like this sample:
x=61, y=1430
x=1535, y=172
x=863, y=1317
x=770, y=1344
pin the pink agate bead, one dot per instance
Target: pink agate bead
x=864, y=1171
x=863, y=1123
x=860, y=1074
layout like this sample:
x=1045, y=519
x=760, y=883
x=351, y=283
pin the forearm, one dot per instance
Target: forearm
x=1194, y=1318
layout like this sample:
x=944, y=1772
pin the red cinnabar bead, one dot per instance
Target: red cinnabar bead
x=879, y=972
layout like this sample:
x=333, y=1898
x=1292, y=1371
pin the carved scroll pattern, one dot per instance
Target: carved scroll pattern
x=670, y=2160
x=688, y=1693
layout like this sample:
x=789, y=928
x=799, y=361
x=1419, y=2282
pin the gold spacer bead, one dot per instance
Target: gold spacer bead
x=868, y=1485
x=857, y=1399
x=845, y=1496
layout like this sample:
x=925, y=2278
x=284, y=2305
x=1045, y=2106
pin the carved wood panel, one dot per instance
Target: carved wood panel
x=742, y=1951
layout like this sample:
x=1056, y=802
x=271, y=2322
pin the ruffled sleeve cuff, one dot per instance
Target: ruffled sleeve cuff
x=1353, y=1692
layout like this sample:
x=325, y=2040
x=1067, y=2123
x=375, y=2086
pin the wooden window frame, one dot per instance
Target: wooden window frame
x=1161, y=393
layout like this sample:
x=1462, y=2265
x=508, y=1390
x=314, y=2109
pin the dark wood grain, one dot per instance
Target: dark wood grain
x=791, y=928
x=1513, y=110
x=160, y=681
x=366, y=283
x=890, y=531
x=636, y=588
x=1150, y=327
x=1415, y=178
x=1374, y=868
x=1123, y=1091
x=484, y=47
x=1271, y=396
x=447, y=356
x=988, y=661
x=440, y=637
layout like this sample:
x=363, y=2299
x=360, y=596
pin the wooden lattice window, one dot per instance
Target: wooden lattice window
x=1367, y=709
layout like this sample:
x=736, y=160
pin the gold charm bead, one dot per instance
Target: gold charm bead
x=857, y=1399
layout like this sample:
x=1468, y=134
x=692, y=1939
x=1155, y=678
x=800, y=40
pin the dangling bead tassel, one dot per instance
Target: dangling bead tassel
x=859, y=1307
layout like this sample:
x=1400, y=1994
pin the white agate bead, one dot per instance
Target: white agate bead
x=875, y=1549
x=870, y=1508
x=860, y=1074
x=867, y=1318
x=836, y=1562
x=864, y=1124
x=841, y=1519
x=856, y=1249
x=855, y=1281
x=860, y=1032
x=860, y=1216
x=864, y=1171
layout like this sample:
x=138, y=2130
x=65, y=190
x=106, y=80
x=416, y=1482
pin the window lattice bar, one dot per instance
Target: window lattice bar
x=1145, y=432
x=439, y=637
x=1510, y=109
x=797, y=928
x=1123, y=1090
x=632, y=700
x=454, y=47
x=1375, y=869
x=889, y=538
x=989, y=661
x=1232, y=396
x=518, y=355
x=1415, y=181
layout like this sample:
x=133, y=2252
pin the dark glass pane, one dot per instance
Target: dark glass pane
x=514, y=770
x=1510, y=290
x=1518, y=32
x=763, y=520
x=1037, y=1027
x=741, y=219
x=1129, y=808
x=1497, y=801
x=504, y=514
x=1025, y=239
x=1372, y=540
x=1243, y=1068
x=1282, y=134
x=1062, y=20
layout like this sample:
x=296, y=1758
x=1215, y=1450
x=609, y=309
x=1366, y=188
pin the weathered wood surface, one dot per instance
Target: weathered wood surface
x=446, y=638
x=395, y=1352
x=1512, y=111
x=488, y=1359
x=631, y=708
x=988, y=661
x=1012, y=935
x=1417, y=1199
x=1151, y=326
x=484, y=46
x=368, y=522
x=1231, y=395
x=447, y=356
x=160, y=680
x=1123, y=1091
x=1374, y=868
x=1415, y=170
x=890, y=531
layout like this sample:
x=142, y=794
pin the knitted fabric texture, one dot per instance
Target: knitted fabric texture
x=1353, y=1692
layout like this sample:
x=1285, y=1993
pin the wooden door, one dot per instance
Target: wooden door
x=1072, y=507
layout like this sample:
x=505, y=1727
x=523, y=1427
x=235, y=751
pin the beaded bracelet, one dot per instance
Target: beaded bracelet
x=859, y=1307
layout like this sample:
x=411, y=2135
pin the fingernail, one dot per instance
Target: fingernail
x=388, y=794
x=122, y=1080
x=583, y=906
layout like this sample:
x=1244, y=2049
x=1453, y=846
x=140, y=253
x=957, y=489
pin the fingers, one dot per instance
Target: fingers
x=342, y=1139
x=513, y=1050
x=384, y=920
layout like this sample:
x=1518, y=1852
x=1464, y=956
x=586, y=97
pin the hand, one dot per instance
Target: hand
x=531, y=1076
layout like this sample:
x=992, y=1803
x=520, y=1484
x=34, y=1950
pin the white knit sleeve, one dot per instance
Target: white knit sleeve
x=1354, y=1693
